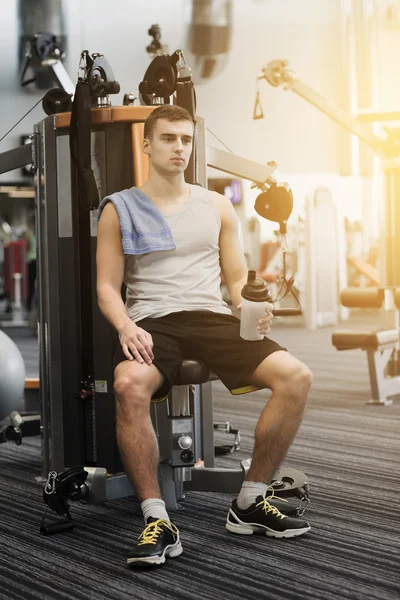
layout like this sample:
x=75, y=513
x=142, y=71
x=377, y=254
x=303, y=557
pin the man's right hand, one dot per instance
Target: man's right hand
x=137, y=342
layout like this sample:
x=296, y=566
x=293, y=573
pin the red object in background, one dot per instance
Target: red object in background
x=267, y=252
x=15, y=262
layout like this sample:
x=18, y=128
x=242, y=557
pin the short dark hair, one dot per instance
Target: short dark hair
x=169, y=112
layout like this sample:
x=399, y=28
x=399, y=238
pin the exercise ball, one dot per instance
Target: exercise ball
x=12, y=377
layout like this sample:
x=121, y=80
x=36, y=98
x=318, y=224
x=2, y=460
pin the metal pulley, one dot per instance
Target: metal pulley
x=56, y=101
x=160, y=79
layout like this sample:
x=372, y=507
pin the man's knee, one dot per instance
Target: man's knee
x=292, y=380
x=298, y=381
x=132, y=389
x=125, y=386
x=303, y=377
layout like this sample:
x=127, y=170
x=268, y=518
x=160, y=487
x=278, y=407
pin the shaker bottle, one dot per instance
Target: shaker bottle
x=256, y=296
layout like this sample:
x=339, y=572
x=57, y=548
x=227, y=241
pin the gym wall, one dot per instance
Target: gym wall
x=306, y=32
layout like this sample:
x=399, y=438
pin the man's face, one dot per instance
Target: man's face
x=170, y=145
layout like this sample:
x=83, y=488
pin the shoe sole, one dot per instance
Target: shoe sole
x=248, y=529
x=169, y=552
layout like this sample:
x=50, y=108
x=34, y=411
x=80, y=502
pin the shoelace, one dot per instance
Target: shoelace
x=269, y=508
x=150, y=534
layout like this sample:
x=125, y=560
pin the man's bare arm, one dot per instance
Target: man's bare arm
x=135, y=341
x=110, y=268
x=233, y=264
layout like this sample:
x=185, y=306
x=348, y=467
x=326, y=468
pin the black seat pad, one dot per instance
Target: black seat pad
x=194, y=372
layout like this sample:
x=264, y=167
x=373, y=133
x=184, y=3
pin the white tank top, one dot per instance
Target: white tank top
x=187, y=278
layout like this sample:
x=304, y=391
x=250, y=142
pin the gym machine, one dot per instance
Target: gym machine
x=44, y=52
x=382, y=345
x=75, y=340
x=15, y=423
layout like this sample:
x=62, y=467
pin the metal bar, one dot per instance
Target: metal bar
x=372, y=116
x=276, y=73
x=63, y=78
x=364, y=75
x=168, y=486
x=42, y=303
x=195, y=411
x=343, y=91
x=390, y=224
x=103, y=487
x=336, y=114
x=179, y=401
x=373, y=374
x=381, y=386
x=69, y=408
x=228, y=481
x=201, y=165
x=118, y=486
x=16, y=158
x=51, y=275
x=207, y=423
x=238, y=166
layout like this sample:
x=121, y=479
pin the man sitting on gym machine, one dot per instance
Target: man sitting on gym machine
x=174, y=309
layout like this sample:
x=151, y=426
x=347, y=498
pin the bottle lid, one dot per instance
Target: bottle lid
x=256, y=289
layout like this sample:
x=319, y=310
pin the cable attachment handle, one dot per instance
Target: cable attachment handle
x=303, y=495
x=183, y=69
x=83, y=65
x=51, y=482
x=257, y=110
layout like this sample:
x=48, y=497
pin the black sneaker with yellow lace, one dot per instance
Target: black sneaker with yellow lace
x=264, y=518
x=159, y=540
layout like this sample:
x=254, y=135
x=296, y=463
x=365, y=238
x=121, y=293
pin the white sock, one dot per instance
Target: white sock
x=154, y=507
x=249, y=492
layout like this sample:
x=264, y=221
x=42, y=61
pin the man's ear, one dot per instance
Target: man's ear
x=146, y=146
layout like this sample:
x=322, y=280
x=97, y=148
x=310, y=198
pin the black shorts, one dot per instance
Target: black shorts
x=207, y=336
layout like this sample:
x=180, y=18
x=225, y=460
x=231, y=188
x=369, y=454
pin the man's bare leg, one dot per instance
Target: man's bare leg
x=134, y=385
x=277, y=426
x=282, y=416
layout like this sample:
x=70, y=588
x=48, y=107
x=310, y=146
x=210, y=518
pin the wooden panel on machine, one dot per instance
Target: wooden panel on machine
x=130, y=114
x=32, y=383
x=140, y=160
x=117, y=114
x=121, y=114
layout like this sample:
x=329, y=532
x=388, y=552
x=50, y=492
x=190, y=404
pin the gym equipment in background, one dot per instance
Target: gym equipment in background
x=317, y=257
x=207, y=37
x=167, y=77
x=383, y=345
x=12, y=376
x=15, y=281
x=42, y=44
x=15, y=422
x=76, y=484
x=387, y=148
x=75, y=340
x=156, y=47
x=43, y=54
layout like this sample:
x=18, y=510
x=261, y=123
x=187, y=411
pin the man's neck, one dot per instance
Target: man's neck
x=165, y=188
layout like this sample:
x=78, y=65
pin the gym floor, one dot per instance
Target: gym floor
x=349, y=450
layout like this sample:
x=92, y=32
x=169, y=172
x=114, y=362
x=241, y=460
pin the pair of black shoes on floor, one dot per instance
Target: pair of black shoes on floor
x=160, y=539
